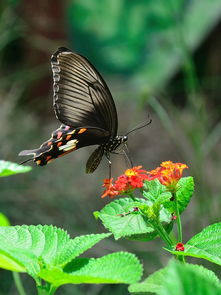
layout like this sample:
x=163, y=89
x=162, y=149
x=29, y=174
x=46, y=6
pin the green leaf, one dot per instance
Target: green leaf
x=186, y=279
x=78, y=246
x=153, y=190
x=9, y=168
x=205, y=244
x=31, y=248
x=184, y=194
x=156, y=281
x=151, y=284
x=121, y=223
x=4, y=221
x=121, y=267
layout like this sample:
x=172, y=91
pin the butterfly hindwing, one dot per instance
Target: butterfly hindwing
x=63, y=141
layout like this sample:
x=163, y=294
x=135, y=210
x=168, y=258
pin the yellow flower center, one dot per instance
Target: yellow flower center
x=130, y=172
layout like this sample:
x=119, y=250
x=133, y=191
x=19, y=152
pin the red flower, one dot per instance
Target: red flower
x=110, y=190
x=168, y=173
x=131, y=179
x=179, y=247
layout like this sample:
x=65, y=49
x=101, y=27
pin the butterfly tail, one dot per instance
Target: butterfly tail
x=28, y=153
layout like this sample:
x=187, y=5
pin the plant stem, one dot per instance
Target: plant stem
x=178, y=220
x=163, y=234
x=46, y=289
x=18, y=283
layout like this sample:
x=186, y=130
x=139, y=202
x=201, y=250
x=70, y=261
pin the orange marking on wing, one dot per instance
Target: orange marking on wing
x=59, y=143
x=38, y=162
x=65, y=153
x=48, y=158
x=82, y=130
x=49, y=143
x=59, y=134
x=68, y=137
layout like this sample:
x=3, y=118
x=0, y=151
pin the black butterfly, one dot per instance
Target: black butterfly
x=83, y=103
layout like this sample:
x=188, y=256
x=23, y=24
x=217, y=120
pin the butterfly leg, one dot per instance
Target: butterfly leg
x=127, y=155
x=107, y=155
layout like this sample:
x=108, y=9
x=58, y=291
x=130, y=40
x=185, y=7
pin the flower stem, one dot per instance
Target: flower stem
x=163, y=234
x=178, y=220
x=18, y=283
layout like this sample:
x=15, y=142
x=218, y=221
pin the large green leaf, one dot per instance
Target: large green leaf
x=9, y=168
x=186, y=279
x=151, y=284
x=205, y=244
x=122, y=222
x=155, y=282
x=115, y=268
x=30, y=248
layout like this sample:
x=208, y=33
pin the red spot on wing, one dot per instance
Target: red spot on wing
x=59, y=134
x=49, y=143
x=59, y=143
x=48, y=158
x=82, y=130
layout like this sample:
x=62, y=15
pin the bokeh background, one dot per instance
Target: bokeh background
x=159, y=57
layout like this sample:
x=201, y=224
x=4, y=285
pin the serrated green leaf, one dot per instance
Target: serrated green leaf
x=78, y=246
x=4, y=221
x=121, y=267
x=130, y=225
x=184, y=194
x=205, y=245
x=9, y=168
x=151, y=284
x=153, y=189
x=155, y=282
x=31, y=248
x=186, y=279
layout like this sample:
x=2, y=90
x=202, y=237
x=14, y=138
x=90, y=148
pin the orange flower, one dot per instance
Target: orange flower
x=131, y=179
x=110, y=190
x=168, y=174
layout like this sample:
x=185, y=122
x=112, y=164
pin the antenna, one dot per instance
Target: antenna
x=141, y=125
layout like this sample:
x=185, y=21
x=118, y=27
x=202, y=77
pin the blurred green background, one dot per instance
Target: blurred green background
x=159, y=57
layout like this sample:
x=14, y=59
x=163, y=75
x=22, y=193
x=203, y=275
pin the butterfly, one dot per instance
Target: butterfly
x=84, y=105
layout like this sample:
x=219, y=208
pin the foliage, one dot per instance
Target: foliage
x=47, y=252
x=9, y=168
x=179, y=279
x=166, y=195
x=141, y=34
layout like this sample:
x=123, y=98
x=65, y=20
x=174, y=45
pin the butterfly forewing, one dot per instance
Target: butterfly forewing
x=81, y=97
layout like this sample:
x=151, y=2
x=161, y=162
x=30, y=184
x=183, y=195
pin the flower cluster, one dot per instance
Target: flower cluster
x=125, y=184
x=168, y=174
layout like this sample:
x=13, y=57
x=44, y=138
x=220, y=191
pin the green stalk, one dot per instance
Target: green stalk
x=163, y=234
x=178, y=220
x=18, y=283
x=46, y=289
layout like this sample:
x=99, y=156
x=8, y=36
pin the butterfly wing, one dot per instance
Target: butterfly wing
x=81, y=96
x=65, y=140
x=83, y=103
